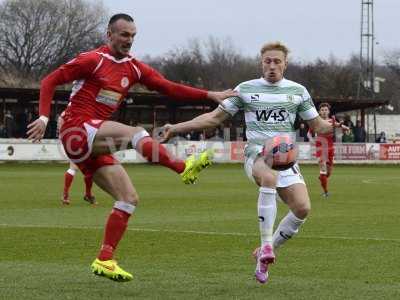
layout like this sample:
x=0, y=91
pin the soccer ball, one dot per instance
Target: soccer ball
x=280, y=152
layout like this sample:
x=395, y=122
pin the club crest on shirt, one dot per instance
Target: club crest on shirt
x=290, y=98
x=124, y=82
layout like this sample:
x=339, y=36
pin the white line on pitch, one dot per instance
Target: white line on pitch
x=202, y=232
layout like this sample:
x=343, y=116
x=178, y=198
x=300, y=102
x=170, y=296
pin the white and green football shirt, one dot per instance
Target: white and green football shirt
x=270, y=108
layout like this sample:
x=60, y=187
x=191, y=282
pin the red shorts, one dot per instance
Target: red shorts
x=77, y=136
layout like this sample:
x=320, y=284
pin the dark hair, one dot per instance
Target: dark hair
x=324, y=104
x=116, y=17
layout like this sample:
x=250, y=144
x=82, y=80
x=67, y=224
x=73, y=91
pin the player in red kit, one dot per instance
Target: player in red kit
x=324, y=147
x=70, y=174
x=69, y=178
x=101, y=80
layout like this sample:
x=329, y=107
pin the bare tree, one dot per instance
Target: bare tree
x=392, y=61
x=215, y=64
x=391, y=87
x=37, y=35
x=185, y=65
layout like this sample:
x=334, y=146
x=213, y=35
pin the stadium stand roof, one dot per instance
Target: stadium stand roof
x=27, y=95
x=349, y=104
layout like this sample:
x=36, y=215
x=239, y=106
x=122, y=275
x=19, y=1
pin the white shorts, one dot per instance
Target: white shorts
x=285, y=178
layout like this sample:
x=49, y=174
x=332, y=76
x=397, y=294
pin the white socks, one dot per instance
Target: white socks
x=124, y=206
x=288, y=227
x=71, y=172
x=137, y=137
x=266, y=214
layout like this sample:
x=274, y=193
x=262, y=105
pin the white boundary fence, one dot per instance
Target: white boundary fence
x=225, y=152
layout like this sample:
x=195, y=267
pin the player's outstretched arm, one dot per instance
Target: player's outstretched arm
x=155, y=81
x=204, y=121
x=221, y=96
x=320, y=125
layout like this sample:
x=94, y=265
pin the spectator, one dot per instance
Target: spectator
x=30, y=117
x=347, y=121
x=381, y=138
x=201, y=137
x=132, y=123
x=214, y=135
x=194, y=136
x=9, y=124
x=359, y=133
x=3, y=132
x=302, y=133
x=35, y=113
x=21, y=120
x=51, y=132
x=347, y=136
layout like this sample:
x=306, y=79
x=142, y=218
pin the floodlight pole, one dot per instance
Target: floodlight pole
x=367, y=39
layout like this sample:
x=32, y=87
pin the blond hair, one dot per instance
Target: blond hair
x=275, y=46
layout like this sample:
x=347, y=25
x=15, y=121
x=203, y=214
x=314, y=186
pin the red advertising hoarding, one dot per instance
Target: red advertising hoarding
x=237, y=151
x=351, y=151
x=389, y=151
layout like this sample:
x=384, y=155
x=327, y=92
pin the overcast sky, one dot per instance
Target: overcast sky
x=311, y=28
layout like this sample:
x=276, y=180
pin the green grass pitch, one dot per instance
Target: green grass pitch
x=195, y=242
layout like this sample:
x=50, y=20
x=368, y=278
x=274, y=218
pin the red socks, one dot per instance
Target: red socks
x=329, y=170
x=323, y=178
x=88, y=185
x=68, y=178
x=154, y=152
x=116, y=225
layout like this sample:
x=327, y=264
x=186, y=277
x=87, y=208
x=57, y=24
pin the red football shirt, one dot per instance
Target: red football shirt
x=101, y=82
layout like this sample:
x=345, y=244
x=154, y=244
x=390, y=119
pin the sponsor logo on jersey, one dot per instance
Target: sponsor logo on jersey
x=272, y=115
x=255, y=98
x=109, y=98
x=124, y=82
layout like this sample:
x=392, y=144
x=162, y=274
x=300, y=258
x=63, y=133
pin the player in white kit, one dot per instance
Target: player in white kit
x=270, y=104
